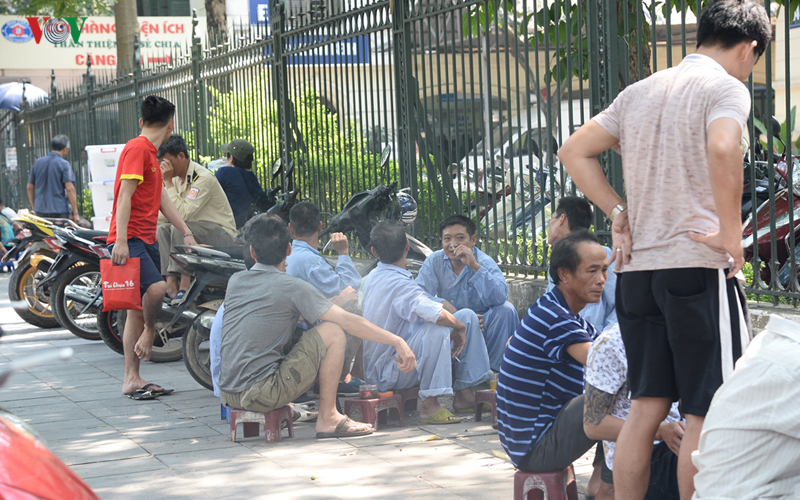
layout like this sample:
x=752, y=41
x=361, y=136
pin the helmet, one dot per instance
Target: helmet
x=405, y=208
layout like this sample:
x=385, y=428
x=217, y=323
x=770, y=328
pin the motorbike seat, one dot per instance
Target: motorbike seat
x=89, y=234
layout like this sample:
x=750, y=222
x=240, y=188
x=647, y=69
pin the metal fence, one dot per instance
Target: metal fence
x=475, y=96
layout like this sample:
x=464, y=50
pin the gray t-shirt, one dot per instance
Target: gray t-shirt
x=48, y=175
x=661, y=125
x=262, y=307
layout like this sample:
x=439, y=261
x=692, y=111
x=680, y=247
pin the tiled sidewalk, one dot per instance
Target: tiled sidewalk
x=177, y=447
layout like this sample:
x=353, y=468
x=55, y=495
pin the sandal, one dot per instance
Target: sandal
x=342, y=431
x=442, y=417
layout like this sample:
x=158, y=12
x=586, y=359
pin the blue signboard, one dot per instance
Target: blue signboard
x=259, y=12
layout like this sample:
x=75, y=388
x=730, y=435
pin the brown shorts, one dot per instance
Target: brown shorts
x=295, y=375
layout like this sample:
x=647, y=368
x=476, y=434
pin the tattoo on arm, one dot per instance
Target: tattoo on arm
x=597, y=405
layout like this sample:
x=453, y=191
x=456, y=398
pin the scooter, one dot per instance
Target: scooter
x=32, y=246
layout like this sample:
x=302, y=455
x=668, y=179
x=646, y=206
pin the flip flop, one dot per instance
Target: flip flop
x=156, y=392
x=140, y=395
x=342, y=432
x=442, y=417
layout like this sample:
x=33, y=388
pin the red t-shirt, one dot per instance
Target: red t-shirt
x=138, y=161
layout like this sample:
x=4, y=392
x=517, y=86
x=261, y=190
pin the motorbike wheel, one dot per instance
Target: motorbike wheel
x=22, y=288
x=66, y=311
x=113, y=324
x=107, y=327
x=197, y=357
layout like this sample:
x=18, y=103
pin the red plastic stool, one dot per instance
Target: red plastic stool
x=546, y=485
x=367, y=410
x=271, y=421
x=485, y=397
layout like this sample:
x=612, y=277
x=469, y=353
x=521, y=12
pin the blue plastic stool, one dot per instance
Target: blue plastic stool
x=224, y=413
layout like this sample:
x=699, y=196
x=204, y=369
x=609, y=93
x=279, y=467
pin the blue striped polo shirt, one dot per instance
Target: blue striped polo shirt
x=538, y=377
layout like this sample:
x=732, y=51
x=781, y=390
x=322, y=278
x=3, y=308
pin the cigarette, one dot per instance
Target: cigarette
x=456, y=358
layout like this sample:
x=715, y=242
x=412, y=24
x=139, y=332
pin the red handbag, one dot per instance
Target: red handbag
x=121, y=285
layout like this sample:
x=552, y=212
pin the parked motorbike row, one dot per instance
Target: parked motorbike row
x=57, y=279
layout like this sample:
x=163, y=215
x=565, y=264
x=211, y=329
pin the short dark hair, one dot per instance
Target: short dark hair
x=577, y=210
x=157, y=111
x=304, y=218
x=726, y=23
x=59, y=142
x=389, y=240
x=458, y=220
x=269, y=237
x=245, y=164
x=174, y=145
x=565, y=253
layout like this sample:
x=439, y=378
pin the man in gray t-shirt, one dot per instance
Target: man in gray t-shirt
x=677, y=243
x=50, y=182
x=264, y=365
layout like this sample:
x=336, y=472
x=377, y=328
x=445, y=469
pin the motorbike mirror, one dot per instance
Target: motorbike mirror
x=290, y=168
x=776, y=127
x=385, y=154
x=276, y=168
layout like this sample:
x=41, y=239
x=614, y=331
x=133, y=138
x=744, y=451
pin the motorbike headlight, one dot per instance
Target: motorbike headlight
x=796, y=177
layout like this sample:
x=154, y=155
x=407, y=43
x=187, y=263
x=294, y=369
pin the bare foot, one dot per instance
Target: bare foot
x=329, y=425
x=144, y=346
x=464, y=399
x=429, y=407
x=133, y=385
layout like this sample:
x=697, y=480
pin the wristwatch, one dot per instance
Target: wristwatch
x=621, y=207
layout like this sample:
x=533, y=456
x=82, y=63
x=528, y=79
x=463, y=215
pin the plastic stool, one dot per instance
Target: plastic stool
x=485, y=397
x=546, y=485
x=271, y=421
x=224, y=413
x=367, y=410
x=410, y=397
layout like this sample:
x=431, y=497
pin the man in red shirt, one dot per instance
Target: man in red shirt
x=139, y=194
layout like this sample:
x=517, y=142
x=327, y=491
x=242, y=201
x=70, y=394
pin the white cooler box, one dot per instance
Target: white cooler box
x=103, y=161
x=101, y=223
x=102, y=197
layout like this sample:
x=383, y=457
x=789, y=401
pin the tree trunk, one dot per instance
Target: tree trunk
x=127, y=27
x=215, y=21
x=633, y=43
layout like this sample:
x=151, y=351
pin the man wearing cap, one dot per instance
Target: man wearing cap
x=202, y=204
x=237, y=179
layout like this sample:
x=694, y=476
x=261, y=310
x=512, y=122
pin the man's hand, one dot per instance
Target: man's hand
x=347, y=297
x=480, y=321
x=167, y=171
x=119, y=254
x=339, y=243
x=75, y=217
x=465, y=255
x=189, y=240
x=729, y=243
x=672, y=434
x=621, y=240
x=459, y=337
x=408, y=361
x=449, y=307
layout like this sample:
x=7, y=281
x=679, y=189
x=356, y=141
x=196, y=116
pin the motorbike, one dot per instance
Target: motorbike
x=74, y=280
x=32, y=246
x=757, y=234
x=212, y=268
x=28, y=469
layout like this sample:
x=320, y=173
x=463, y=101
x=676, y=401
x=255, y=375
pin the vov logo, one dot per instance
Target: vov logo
x=56, y=29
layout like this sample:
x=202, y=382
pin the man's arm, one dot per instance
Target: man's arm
x=174, y=218
x=187, y=208
x=490, y=283
x=459, y=331
x=726, y=176
x=363, y=329
x=597, y=420
x=73, y=199
x=119, y=254
x=31, y=195
x=579, y=157
x=579, y=352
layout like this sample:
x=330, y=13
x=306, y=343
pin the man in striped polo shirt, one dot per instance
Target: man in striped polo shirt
x=540, y=387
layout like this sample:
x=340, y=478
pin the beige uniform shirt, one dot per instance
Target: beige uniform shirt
x=200, y=198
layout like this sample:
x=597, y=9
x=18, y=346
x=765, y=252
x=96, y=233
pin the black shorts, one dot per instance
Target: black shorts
x=149, y=261
x=663, y=474
x=683, y=331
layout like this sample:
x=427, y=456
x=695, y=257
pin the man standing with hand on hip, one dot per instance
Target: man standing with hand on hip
x=682, y=314
x=139, y=195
